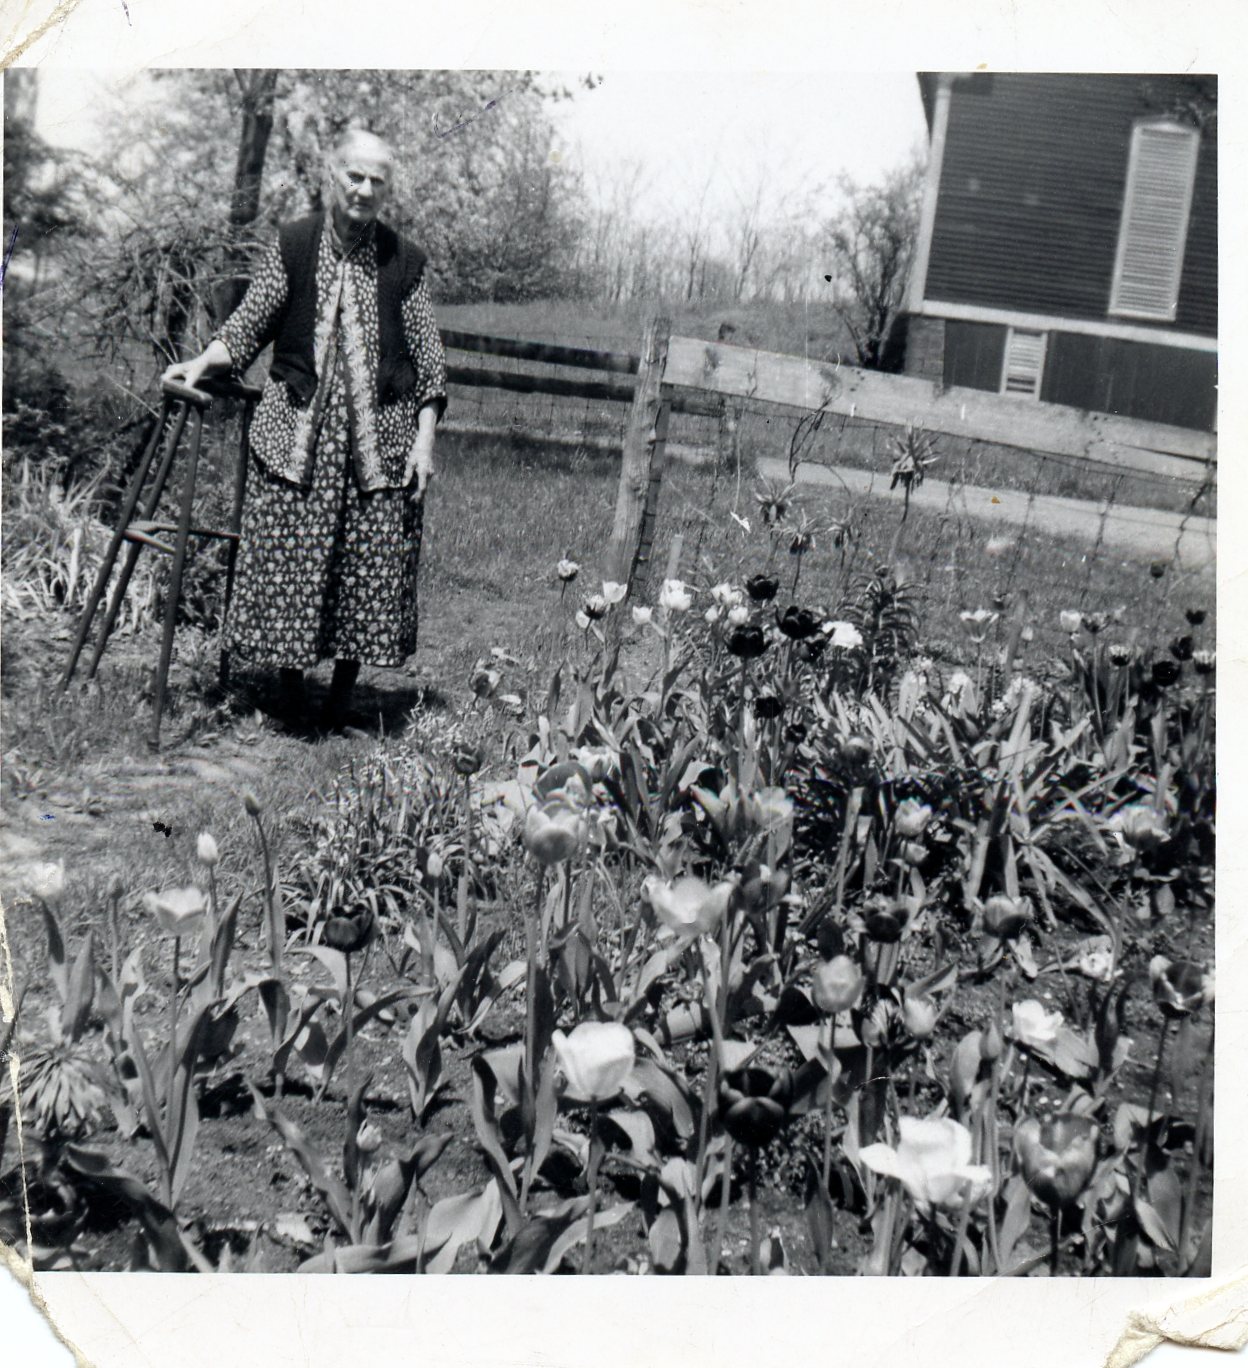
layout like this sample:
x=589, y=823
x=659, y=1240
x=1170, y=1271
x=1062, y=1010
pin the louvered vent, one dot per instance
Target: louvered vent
x=1153, y=234
x=1024, y=362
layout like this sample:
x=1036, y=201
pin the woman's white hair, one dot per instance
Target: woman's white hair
x=361, y=140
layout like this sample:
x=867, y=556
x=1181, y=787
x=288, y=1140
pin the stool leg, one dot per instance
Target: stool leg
x=110, y=556
x=236, y=525
x=132, y=551
x=175, y=577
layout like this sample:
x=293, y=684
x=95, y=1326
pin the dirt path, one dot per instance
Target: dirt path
x=1147, y=532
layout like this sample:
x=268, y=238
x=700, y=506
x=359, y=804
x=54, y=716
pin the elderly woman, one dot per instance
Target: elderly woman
x=343, y=436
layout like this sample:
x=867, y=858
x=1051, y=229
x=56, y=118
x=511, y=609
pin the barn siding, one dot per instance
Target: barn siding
x=1158, y=384
x=1031, y=194
x=974, y=354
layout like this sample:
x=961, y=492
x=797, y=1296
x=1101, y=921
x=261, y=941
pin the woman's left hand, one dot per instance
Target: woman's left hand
x=424, y=467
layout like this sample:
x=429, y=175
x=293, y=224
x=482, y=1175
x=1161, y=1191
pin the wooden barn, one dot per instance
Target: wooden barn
x=1068, y=244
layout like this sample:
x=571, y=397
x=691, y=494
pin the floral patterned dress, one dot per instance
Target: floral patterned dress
x=330, y=546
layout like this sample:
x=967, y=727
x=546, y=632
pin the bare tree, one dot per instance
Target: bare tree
x=870, y=243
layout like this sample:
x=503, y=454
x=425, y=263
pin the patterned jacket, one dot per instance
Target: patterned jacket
x=347, y=347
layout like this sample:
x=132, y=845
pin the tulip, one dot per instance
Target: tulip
x=567, y=570
x=1165, y=672
x=688, y=906
x=596, y=761
x=913, y=853
x=675, y=596
x=596, y=1058
x=762, y=588
x=1095, y=623
x=738, y=615
x=594, y=607
x=1119, y=654
x=836, y=985
x=1033, y=1025
x=1071, y=620
x=350, y=931
x=711, y=616
x=1157, y=569
x=47, y=881
x=206, y=849
x=613, y=591
x=911, y=819
x=769, y=809
x=252, y=804
x=1179, y=987
x=1181, y=648
x=1203, y=662
x=179, y=911
x=1143, y=827
x=1097, y=963
x=1195, y=616
x=467, y=759
x=978, y=623
x=885, y=920
x=642, y=617
x=842, y=636
x=555, y=831
x=754, y=1104
x=1058, y=1156
x=1005, y=917
x=746, y=642
x=767, y=707
x=855, y=752
x=484, y=682
x=726, y=595
x=796, y=623
x=990, y=1043
x=368, y=1138
x=932, y=1162
x=920, y=1015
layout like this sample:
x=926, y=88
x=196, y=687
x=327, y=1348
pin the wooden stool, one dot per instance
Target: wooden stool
x=180, y=403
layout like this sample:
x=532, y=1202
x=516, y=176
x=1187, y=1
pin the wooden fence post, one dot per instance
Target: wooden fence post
x=641, y=470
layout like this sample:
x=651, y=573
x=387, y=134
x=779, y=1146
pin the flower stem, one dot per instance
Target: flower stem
x=1152, y=1092
x=1055, y=1245
x=273, y=934
x=114, y=933
x=595, y=1155
x=349, y=1009
x=173, y=1021
x=756, y=1267
x=955, y=1259
x=827, y=1106
x=725, y=1197
x=462, y=926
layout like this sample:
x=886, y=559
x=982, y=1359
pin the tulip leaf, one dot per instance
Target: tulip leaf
x=80, y=992
x=333, y=960
x=1015, y=1222
x=455, y=1220
x=576, y=1232
x=639, y=1130
x=647, y=1080
x=666, y=1241
x=335, y=1196
x=56, y=952
x=820, y=1214
x=1153, y=1226
x=547, y=1106
x=491, y=1139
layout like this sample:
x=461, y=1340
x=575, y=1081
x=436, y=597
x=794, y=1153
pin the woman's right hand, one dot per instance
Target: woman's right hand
x=215, y=356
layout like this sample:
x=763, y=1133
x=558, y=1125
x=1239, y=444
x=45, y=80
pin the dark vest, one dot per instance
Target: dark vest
x=400, y=265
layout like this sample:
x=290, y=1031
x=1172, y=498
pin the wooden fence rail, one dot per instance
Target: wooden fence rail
x=714, y=379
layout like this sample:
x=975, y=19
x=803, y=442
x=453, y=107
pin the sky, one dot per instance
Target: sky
x=692, y=134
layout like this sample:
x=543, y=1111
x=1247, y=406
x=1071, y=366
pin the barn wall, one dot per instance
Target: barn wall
x=1158, y=384
x=1031, y=193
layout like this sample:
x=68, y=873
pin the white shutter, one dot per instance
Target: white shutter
x=1024, y=362
x=1153, y=231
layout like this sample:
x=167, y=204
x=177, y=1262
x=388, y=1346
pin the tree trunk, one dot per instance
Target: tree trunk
x=258, y=88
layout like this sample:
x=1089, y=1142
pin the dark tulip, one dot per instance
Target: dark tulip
x=830, y=940
x=1179, y=987
x=467, y=759
x=762, y=588
x=1195, y=616
x=885, y=920
x=1006, y=918
x=754, y=1104
x=1119, y=654
x=746, y=641
x=855, y=751
x=767, y=707
x=1165, y=672
x=350, y=931
x=1157, y=569
x=795, y=733
x=797, y=623
x=1058, y=1156
x=1204, y=662
x=1181, y=648
x=811, y=650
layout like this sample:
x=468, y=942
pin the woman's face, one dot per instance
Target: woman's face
x=360, y=180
